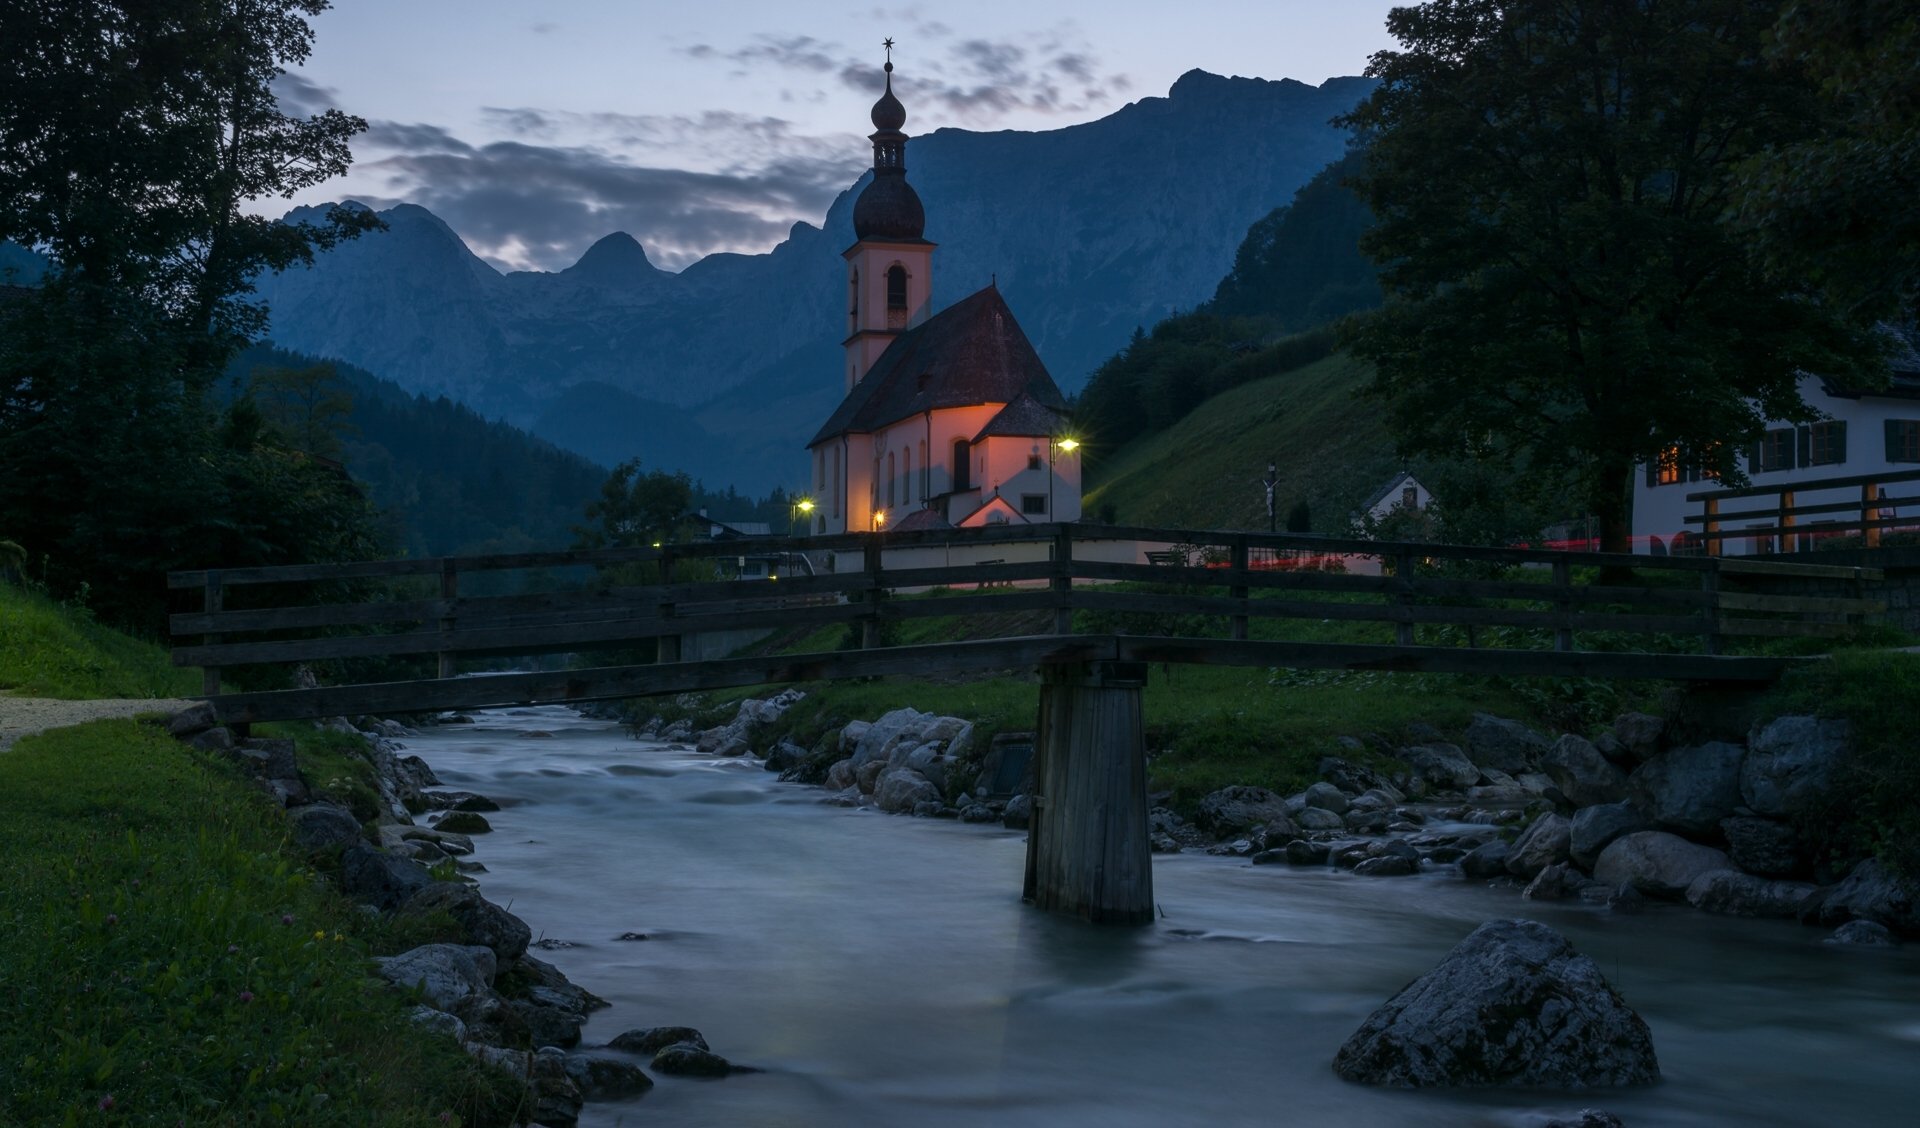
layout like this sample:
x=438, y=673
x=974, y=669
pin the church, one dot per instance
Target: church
x=949, y=419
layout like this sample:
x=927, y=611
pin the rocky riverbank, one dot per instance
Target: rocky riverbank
x=1631, y=818
x=477, y=980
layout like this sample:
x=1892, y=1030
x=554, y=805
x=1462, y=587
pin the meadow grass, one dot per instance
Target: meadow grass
x=163, y=960
x=49, y=649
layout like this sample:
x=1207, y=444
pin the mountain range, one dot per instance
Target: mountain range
x=724, y=368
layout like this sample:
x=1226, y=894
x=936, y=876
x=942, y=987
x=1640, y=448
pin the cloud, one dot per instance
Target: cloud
x=302, y=97
x=533, y=206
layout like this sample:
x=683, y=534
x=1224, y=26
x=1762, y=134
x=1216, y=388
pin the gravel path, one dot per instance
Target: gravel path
x=24, y=716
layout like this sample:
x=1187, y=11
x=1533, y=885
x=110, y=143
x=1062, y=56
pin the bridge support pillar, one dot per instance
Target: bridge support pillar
x=1087, y=851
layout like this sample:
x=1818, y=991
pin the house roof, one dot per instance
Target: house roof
x=1393, y=483
x=1024, y=417
x=921, y=519
x=970, y=353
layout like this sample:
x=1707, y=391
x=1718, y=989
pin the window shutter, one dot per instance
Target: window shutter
x=1893, y=441
x=1805, y=436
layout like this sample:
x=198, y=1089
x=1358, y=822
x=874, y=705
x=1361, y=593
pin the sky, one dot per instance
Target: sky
x=534, y=129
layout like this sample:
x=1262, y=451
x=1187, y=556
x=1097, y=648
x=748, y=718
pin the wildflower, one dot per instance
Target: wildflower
x=113, y=918
x=246, y=996
x=446, y=1118
x=233, y=949
x=320, y=934
x=337, y=938
x=286, y=918
x=106, y=1102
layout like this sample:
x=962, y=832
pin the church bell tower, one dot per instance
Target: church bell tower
x=890, y=267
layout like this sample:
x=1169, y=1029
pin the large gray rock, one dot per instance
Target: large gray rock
x=1790, y=764
x=1512, y=1005
x=375, y=878
x=1018, y=814
x=1442, y=765
x=1546, y=842
x=1581, y=773
x=1594, y=828
x=481, y=921
x=899, y=789
x=685, y=1059
x=1689, y=790
x=651, y=1039
x=1871, y=892
x=445, y=973
x=840, y=776
x=192, y=720
x=1234, y=810
x=1314, y=818
x=548, y=1026
x=1327, y=797
x=1508, y=746
x=605, y=1076
x=1641, y=735
x=1764, y=846
x=1487, y=860
x=1656, y=863
x=319, y=826
x=1732, y=893
x=1862, y=933
x=879, y=738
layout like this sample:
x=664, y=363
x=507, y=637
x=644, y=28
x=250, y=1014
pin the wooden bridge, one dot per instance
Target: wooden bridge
x=1108, y=602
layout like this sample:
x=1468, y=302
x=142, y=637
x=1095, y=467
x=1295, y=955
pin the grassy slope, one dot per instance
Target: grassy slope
x=51, y=650
x=1330, y=448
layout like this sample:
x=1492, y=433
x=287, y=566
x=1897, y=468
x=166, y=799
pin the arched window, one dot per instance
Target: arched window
x=925, y=471
x=961, y=464
x=853, y=299
x=890, y=501
x=906, y=476
x=839, y=489
x=873, y=485
x=896, y=287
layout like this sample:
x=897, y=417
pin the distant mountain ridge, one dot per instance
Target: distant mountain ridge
x=1089, y=231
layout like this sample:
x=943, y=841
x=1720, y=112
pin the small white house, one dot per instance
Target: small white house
x=1402, y=493
x=1862, y=433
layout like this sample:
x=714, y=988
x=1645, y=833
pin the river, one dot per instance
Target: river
x=882, y=970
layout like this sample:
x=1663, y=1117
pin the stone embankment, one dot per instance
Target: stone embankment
x=507, y=1007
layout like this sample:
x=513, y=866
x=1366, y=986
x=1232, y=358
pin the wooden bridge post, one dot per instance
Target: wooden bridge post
x=1869, y=513
x=449, y=591
x=666, y=648
x=1563, y=603
x=1710, y=584
x=1087, y=850
x=1238, y=578
x=1710, y=527
x=214, y=600
x=1062, y=582
x=870, y=625
x=1403, y=576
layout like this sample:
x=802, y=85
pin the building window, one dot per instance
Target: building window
x=1773, y=452
x=890, y=501
x=1665, y=470
x=1410, y=498
x=961, y=479
x=926, y=472
x=906, y=475
x=839, y=483
x=1823, y=444
x=1033, y=505
x=1903, y=440
x=853, y=299
x=896, y=287
x=1033, y=461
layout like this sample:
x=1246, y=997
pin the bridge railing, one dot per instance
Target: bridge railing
x=1205, y=595
x=1864, y=510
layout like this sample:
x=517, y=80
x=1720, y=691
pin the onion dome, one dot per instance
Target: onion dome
x=889, y=208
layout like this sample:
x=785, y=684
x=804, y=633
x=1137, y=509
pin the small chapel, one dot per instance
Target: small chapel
x=949, y=419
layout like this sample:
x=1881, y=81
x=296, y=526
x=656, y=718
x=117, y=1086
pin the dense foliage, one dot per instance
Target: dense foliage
x=135, y=132
x=1567, y=296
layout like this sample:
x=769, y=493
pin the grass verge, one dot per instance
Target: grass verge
x=163, y=961
x=49, y=649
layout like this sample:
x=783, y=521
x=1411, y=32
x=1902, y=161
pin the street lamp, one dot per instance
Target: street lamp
x=879, y=519
x=1068, y=444
x=805, y=507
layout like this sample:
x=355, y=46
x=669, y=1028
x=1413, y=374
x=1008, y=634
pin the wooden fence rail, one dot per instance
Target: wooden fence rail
x=1870, y=514
x=1211, y=586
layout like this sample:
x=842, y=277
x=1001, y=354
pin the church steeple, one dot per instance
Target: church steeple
x=889, y=269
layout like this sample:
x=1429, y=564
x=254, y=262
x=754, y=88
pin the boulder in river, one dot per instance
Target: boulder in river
x=1018, y=813
x=685, y=1059
x=1327, y=797
x=1512, y=1005
x=1764, y=846
x=899, y=790
x=481, y=921
x=650, y=1039
x=1656, y=863
x=1581, y=773
x=605, y=1076
x=1501, y=744
x=1442, y=765
x=1314, y=818
x=445, y=973
x=1790, y=764
x=1236, y=810
x=1689, y=790
x=1871, y=892
x=1547, y=841
x=1487, y=860
x=1732, y=893
x=1387, y=865
x=1595, y=828
x=1862, y=934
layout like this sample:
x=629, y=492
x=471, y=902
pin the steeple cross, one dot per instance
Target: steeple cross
x=888, y=44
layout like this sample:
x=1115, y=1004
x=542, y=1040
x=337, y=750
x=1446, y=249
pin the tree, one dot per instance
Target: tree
x=1843, y=205
x=1552, y=182
x=310, y=405
x=634, y=509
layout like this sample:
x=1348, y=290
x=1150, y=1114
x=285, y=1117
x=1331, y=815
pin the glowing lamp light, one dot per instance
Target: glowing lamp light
x=1068, y=445
x=805, y=505
x=879, y=519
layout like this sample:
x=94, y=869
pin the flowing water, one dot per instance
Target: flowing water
x=882, y=970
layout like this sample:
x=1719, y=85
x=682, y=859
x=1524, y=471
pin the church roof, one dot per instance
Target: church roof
x=923, y=519
x=970, y=353
x=1023, y=417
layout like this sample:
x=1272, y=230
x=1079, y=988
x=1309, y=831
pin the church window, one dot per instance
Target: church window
x=926, y=479
x=896, y=287
x=1033, y=461
x=853, y=301
x=890, y=501
x=960, y=465
x=873, y=485
x=839, y=492
x=1033, y=505
x=906, y=475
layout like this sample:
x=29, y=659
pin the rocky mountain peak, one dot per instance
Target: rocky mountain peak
x=615, y=260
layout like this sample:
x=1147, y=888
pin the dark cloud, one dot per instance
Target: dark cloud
x=544, y=28
x=301, y=97
x=526, y=205
x=413, y=137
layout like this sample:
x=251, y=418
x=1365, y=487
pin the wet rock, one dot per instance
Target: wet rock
x=1657, y=863
x=1547, y=841
x=1301, y=852
x=1641, y=734
x=1350, y=778
x=1313, y=818
x=840, y=775
x=867, y=776
x=318, y=826
x=1165, y=844
x=459, y=801
x=650, y=1039
x=1489, y=859
x=978, y=813
x=1387, y=865
x=784, y=755
x=1581, y=773
x=683, y=1059
x=444, y=973
x=1732, y=893
x=439, y=1022
x=604, y=1077
x=1764, y=846
x=548, y=1026
x=556, y=1100
x=1501, y=744
x=1442, y=765
x=1513, y=1005
x=1863, y=934
x=1586, y=1118
x=1549, y=884
x=933, y=809
x=378, y=879
x=1444, y=855
x=463, y=822
x=1019, y=813
x=900, y=789
x=1594, y=828
x=1871, y=892
x=1624, y=898
x=1350, y=855
x=481, y=921
x=1689, y=790
x=1790, y=764
x=1236, y=810
x=1327, y=797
